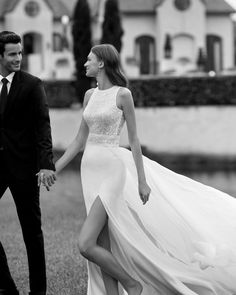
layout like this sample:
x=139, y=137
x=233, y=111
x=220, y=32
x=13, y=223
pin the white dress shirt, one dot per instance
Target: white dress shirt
x=9, y=78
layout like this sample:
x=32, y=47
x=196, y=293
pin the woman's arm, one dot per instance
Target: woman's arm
x=125, y=102
x=78, y=143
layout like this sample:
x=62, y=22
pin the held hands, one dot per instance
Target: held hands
x=46, y=177
x=144, y=192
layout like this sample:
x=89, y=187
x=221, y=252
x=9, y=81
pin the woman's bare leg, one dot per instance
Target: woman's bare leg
x=111, y=284
x=91, y=229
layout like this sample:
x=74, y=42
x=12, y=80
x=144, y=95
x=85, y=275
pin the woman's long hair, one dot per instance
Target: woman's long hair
x=110, y=56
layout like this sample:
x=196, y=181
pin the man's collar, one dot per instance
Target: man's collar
x=9, y=77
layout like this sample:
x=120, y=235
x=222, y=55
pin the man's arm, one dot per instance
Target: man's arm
x=43, y=138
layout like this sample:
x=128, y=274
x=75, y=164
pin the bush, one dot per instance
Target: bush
x=153, y=92
x=174, y=91
x=60, y=94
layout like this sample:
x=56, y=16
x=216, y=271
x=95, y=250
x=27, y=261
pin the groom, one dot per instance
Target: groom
x=26, y=158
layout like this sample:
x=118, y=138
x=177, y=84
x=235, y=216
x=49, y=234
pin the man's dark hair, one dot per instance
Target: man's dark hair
x=8, y=37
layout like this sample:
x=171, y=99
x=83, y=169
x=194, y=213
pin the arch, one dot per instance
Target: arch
x=145, y=54
x=214, y=53
x=186, y=35
x=57, y=42
x=183, y=48
x=33, y=52
x=32, y=43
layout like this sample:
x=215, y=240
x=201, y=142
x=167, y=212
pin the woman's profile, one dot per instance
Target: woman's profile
x=148, y=230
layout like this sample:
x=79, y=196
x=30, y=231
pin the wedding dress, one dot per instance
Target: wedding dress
x=182, y=241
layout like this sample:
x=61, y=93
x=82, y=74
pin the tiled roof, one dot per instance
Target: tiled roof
x=57, y=6
x=212, y=6
x=61, y=7
x=137, y=5
x=7, y=6
x=70, y=4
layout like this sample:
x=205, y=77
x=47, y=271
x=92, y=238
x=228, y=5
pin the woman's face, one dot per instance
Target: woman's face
x=92, y=65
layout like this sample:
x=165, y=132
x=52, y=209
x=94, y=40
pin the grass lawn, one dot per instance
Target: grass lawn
x=63, y=212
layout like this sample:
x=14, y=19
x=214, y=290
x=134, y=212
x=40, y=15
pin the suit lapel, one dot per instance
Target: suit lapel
x=14, y=90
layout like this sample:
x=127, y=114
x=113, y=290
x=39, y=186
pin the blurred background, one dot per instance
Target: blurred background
x=179, y=56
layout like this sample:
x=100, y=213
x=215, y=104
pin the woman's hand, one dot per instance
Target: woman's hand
x=46, y=177
x=144, y=192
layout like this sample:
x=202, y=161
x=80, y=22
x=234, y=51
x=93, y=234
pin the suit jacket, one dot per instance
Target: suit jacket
x=25, y=131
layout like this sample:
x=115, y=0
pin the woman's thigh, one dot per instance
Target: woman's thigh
x=94, y=223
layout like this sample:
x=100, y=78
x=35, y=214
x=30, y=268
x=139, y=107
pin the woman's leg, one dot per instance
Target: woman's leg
x=91, y=229
x=111, y=284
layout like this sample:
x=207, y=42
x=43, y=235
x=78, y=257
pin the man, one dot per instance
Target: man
x=25, y=157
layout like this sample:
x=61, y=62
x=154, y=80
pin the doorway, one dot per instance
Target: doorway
x=33, y=53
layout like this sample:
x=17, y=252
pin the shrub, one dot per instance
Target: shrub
x=153, y=92
x=174, y=91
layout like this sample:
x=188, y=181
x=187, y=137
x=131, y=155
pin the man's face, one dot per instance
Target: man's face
x=11, y=59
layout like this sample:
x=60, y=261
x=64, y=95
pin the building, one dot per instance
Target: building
x=164, y=37
x=43, y=26
x=176, y=36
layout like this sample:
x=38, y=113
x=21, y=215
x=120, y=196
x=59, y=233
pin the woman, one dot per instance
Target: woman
x=183, y=241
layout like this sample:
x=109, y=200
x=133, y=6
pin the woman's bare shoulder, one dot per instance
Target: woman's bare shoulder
x=124, y=96
x=124, y=91
x=87, y=96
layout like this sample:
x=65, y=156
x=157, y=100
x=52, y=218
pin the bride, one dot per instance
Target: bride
x=148, y=230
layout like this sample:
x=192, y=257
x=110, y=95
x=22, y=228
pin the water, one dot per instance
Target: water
x=219, y=173
x=222, y=180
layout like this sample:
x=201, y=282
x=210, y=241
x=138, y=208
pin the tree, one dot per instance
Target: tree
x=168, y=46
x=111, y=28
x=81, y=33
x=201, y=60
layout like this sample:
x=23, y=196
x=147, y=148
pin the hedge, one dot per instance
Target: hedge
x=60, y=93
x=153, y=92
x=184, y=91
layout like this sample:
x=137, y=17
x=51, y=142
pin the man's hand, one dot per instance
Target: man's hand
x=46, y=177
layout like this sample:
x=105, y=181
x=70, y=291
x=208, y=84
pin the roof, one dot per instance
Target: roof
x=218, y=6
x=135, y=6
x=7, y=6
x=62, y=7
x=57, y=6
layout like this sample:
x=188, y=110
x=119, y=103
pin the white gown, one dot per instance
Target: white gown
x=183, y=241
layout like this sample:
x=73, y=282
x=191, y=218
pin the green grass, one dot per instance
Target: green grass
x=63, y=213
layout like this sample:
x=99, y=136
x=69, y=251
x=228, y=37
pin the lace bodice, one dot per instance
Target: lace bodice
x=105, y=120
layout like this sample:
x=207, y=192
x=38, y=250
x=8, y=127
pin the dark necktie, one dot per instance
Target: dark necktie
x=3, y=95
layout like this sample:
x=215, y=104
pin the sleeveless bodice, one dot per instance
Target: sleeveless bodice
x=104, y=119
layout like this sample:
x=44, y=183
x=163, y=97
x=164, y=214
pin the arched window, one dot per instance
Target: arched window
x=145, y=54
x=32, y=46
x=32, y=43
x=183, y=48
x=214, y=53
x=57, y=42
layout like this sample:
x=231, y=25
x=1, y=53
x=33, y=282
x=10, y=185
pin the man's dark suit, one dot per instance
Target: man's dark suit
x=25, y=139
